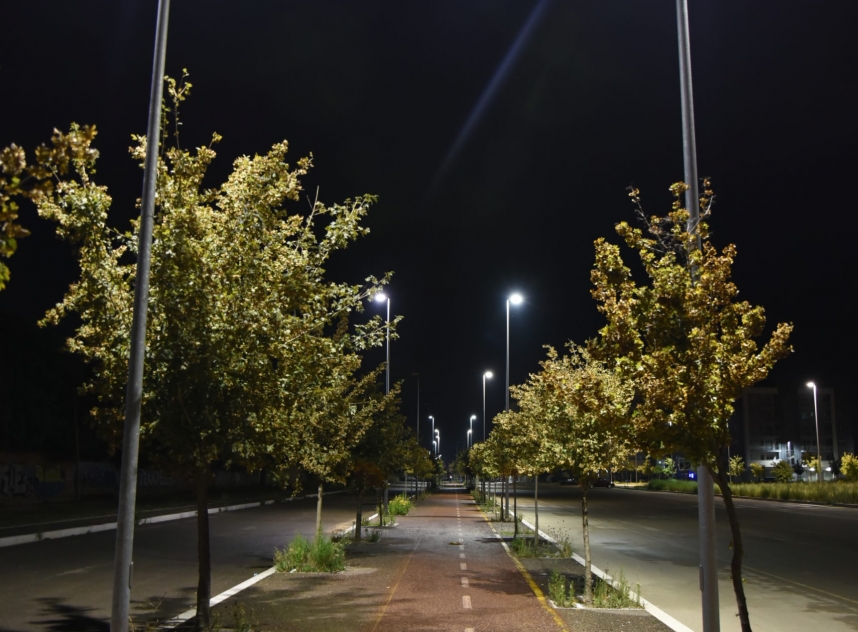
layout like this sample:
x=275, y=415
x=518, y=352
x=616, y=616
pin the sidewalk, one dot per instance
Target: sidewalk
x=442, y=568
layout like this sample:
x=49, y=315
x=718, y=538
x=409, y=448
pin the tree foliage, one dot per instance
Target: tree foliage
x=685, y=341
x=250, y=356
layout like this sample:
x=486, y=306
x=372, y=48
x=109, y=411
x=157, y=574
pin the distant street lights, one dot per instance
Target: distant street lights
x=432, y=419
x=470, y=438
x=816, y=419
x=487, y=375
x=438, y=437
x=471, y=431
x=382, y=297
x=515, y=299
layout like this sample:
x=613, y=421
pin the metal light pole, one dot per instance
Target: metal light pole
x=438, y=437
x=469, y=439
x=381, y=296
x=471, y=431
x=486, y=375
x=433, y=427
x=515, y=299
x=816, y=419
x=705, y=485
x=122, y=561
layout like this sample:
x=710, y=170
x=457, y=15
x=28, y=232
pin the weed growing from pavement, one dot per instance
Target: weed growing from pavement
x=322, y=555
x=616, y=596
x=338, y=535
x=560, y=591
x=372, y=535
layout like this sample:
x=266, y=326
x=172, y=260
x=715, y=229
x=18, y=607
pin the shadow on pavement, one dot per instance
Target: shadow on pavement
x=61, y=617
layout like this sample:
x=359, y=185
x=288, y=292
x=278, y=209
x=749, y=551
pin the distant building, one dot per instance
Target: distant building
x=772, y=424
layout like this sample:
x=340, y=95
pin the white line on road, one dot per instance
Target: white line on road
x=463, y=566
x=466, y=602
x=461, y=556
x=464, y=582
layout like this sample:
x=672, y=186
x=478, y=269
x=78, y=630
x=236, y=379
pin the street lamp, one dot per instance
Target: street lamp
x=816, y=419
x=432, y=419
x=515, y=299
x=487, y=375
x=382, y=297
x=471, y=431
x=470, y=438
x=438, y=437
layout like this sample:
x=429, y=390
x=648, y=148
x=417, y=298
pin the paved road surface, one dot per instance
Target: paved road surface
x=801, y=564
x=65, y=584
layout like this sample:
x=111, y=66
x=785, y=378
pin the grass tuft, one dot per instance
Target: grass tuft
x=399, y=505
x=829, y=492
x=322, y=555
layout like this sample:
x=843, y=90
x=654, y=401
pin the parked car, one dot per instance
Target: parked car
x=568, y=480
x=602, y=482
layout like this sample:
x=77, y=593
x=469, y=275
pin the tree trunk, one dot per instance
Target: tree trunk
x=536, y=507
x=515, y=507
x=359, y=517
x=379, y=501
x=738, y=549
x=319, y=510
x=588, y=573
x=386, y=495
x=204, y=583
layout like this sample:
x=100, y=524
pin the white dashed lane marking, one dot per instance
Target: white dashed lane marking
x=464, y=582
x=461, y=556
x=466, y=602
x=463, y=566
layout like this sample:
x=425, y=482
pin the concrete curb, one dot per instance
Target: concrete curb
x=654, y=610
x=26, y=538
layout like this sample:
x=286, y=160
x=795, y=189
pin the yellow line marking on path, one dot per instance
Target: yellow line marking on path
x=533, y=586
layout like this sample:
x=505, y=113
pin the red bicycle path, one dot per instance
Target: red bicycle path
x=459, y=577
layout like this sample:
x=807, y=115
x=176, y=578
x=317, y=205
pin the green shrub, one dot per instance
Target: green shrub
x=849, y=467
x=672, y=485
x=782, y=471
x=322, y=555
x=399, y=505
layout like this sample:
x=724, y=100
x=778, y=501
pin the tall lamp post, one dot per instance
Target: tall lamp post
x=432, y=419
x=515, y=299
x=382, y=297
x=816, y=419
x=705, y=485
x=486, y=376
x=122, y=559
x=471, y=431
x=470, y=438
x=438, y=437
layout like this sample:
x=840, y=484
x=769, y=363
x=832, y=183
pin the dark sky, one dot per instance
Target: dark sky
x=500, y=137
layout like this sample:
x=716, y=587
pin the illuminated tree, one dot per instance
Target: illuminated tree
x=250, y=358
x=685, y=342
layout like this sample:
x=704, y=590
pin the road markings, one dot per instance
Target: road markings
x=469, y=629
x=466, y=602
x=461, y=556
x=464, y=582
x=463, y=566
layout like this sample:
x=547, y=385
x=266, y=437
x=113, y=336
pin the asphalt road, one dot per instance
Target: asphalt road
x=801, y=562
x=65, y=585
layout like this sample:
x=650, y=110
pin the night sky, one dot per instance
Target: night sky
x=500, y=137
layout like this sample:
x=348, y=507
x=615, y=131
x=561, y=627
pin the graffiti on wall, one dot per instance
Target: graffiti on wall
x=16, y=480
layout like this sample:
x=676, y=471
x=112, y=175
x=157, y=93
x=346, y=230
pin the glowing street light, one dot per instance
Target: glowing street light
x=515, y=299
x=432, y=419
x=486, y=376
x=381, y=297
x=438, y=437
x=470, y=439
x=816, y=419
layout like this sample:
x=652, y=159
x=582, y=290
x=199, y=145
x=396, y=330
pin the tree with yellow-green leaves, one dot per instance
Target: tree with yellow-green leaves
x=250, y=356
x=577, y=409
x=685, y=341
